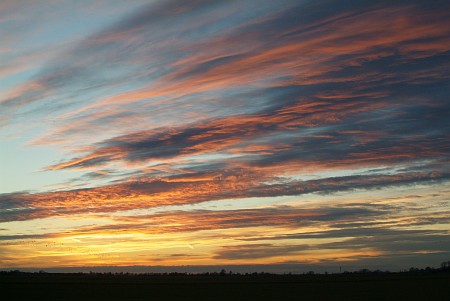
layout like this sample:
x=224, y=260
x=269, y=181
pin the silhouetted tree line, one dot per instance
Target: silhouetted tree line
x=444, y=267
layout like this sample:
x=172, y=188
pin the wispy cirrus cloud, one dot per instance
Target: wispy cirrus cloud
x=308, y=50
x=145, y=194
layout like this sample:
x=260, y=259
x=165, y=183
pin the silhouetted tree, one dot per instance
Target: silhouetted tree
x=445, y=265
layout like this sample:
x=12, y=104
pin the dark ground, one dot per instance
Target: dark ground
x=392, y=286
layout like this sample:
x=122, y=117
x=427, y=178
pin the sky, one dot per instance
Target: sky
x=290, y=134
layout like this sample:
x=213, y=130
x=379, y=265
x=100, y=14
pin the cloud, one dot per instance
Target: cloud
x=172, y=70
x=190, y=190
x=387, y=241
x=329, y=117
x=335, y=137
x=258, y=251
x=198, y=220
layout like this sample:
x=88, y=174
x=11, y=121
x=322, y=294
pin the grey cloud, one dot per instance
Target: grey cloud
x=392, y=242
x=257, y=251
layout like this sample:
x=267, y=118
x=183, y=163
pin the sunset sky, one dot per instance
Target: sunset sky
x=288, y=133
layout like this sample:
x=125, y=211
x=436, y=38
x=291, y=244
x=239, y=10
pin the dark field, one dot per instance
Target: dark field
x=394, y=286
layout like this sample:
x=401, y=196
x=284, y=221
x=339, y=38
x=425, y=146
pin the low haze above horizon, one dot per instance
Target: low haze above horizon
x=202, y=133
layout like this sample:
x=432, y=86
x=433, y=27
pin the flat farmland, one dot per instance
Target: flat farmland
x=392, y=286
